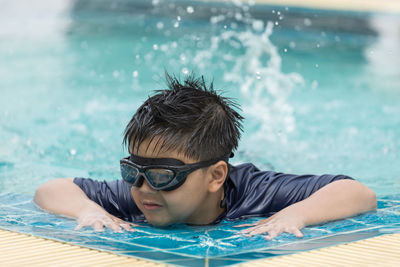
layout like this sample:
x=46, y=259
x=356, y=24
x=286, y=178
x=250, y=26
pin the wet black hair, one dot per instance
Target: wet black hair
x=189, y=117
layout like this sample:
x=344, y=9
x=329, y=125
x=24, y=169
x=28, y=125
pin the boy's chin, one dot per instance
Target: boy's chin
x=159, y=223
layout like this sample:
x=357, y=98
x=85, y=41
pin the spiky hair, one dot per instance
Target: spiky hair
x=189, y=117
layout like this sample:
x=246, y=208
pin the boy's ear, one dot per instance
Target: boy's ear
x=218, y=173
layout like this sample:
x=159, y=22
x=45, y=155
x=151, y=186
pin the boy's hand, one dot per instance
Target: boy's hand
x=282, y=222
x=99, y=220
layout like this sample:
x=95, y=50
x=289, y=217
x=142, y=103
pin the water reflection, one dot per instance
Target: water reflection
x=40, y=19
x=383, y=55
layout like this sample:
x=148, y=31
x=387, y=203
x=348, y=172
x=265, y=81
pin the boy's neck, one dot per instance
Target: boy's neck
x=210, y=210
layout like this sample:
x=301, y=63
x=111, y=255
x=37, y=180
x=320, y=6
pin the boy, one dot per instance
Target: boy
x=180, y=141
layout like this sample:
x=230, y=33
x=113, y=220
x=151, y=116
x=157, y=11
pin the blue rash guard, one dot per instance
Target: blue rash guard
x=249, y=192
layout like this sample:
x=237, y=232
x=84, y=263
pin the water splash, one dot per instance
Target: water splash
x=257, y=71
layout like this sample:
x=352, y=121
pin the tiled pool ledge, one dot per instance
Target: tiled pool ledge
x=18, y=249
x=26, y=250
x=377, y=251
x=392, y=6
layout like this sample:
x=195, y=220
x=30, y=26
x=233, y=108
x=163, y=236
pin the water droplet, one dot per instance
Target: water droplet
x=137, y=56
x=314, y=85
x=116, y=74
x=176, y=24
x=278, y=13
x=276, y=23
x=160, y=25
x=164, y=47
x=258, y=75
x=307, y=22
x=292, y=44
x=185, y=71
x=155, y=2
x=225, y=26
x=318, y=45
x=178, y=18
x=72, y=151
x=182, y=57
x=316, y=65
x=285, y=50
x=273, y=11
x=135, y=74
x=155, y=46
x=258, y=25
x=189, y=9
x=281, y=17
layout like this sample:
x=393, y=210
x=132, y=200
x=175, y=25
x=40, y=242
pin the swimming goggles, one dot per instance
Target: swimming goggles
x=161, y=173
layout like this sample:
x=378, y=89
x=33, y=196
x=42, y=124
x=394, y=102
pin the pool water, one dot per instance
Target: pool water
x=183, y=245
x=318, y=89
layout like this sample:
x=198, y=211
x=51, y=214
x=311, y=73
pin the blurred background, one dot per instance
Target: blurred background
x=318, y=82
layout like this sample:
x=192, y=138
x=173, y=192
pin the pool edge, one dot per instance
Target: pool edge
x=18, y=249
x=383, y=250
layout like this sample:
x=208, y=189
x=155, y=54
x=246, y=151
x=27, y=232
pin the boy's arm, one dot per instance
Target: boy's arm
x=336, y=200
x=64, y=197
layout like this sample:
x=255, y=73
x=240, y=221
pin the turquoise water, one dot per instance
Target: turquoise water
x=184, y=245
x=319, y=90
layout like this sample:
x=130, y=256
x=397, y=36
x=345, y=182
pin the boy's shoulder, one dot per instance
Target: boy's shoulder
x=250, y=191
x=244, y=173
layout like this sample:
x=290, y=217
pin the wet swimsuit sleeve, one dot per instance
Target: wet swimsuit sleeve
x=251, y=192
x=114, y=196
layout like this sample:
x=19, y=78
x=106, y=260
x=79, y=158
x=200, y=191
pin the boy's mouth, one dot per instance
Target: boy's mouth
x=149, y=205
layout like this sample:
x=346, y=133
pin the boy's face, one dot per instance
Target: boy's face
x=189, y=203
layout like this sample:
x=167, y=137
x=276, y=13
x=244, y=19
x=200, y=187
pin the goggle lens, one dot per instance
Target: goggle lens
x=156, y=177
x=129, y=173
x=160, y=177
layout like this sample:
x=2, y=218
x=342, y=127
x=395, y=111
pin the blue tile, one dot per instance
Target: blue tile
x=157, y=256
x=252, y=255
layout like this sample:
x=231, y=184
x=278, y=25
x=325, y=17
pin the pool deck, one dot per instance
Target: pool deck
x=391, y=6
x=26, y=250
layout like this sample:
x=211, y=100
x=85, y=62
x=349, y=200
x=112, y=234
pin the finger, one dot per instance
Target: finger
x=129, y=223
x=120, y=221
x=113, y=223
x=249, y=230
x=127, y=227
x=98, y=226
x=297, y=232
x=272, y=234
x=254, y=227
x=260, y=229
x=114, y=226
x=78, y=227
x=245, y=225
